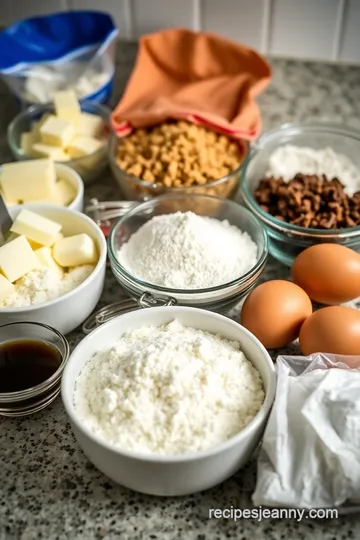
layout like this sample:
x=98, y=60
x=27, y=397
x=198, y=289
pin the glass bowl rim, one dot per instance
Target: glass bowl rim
x=38, y=108
x=145, y=184
x=34, y=391
x=260, y=144
x=261, y=258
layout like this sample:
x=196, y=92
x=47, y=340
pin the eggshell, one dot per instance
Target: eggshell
x=329, y=273
x=274, y=312
x=334, y=329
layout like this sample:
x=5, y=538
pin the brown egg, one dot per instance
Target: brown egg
x=275, y=311
x=329, y=273
x=334, y=329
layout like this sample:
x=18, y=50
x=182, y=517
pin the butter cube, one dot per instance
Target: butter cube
x=65, y=192
x=37, y=125
x=90, y=124
x=46, y=150
x=17, y=259
x=35, y=227
x=75, y=250
x=27, y=140
x=57, y=132
x=83, y=146
x=67, y=106
x=6, y=288
x=27, y=181
x=36, y=245
x=45, y=259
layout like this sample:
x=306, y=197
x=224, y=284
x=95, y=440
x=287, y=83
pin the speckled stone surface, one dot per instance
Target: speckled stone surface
x=49, y=490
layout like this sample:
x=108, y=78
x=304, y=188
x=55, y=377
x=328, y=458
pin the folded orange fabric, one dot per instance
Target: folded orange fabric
x=199, y=77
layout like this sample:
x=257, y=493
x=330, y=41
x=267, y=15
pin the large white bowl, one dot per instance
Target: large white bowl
x=70, y=310
x=169, y=475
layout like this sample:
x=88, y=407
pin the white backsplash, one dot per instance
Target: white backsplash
x=308, y=29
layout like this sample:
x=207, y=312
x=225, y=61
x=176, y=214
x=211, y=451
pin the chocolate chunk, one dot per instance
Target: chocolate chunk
x=309, y=201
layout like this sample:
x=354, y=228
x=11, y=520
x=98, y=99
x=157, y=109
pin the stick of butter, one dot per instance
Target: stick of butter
x=35, y=227
x=28, y=180
x=75, y=250
x=67, y=106
x=6, y=288
x=45, y=259
x=17, y=259
x=57, y=132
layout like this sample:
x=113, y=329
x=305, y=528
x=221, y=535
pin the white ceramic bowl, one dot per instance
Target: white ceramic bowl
x=70, y=310
x=64, y=172
x=170, y=475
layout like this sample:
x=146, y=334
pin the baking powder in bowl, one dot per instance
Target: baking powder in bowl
x=186, y=251
x=168, y=390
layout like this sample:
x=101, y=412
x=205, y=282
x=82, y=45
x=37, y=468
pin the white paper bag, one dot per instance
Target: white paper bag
x=310, y=456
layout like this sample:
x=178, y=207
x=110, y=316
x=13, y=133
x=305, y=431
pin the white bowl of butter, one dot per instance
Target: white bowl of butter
x=41, y=181
x=52, y=267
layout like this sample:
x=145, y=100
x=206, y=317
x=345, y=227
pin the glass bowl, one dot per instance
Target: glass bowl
x=134, y=188
x=31, y=400
x=89, y=167
x=286, y=240
x=220, y=299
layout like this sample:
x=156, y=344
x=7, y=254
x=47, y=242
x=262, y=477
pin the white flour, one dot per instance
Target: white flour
x=44, y=284
x=168, y=390
x=187, y=251
x=288, y=160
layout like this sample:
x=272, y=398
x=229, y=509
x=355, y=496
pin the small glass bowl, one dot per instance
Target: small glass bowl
x=32, y=400
x=135, y=189
x=89, y=167
x=220, y=299
x=286, y=240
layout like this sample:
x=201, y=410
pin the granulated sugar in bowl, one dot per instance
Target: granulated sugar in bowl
x=208, y=258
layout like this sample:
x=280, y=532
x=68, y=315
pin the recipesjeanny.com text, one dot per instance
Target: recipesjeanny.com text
x=259, y=513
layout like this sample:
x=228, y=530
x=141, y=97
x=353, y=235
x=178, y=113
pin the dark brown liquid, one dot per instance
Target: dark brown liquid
x=26, y=363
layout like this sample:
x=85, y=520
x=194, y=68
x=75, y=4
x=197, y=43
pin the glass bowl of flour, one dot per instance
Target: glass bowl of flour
x=198, y=250
x=317, y=148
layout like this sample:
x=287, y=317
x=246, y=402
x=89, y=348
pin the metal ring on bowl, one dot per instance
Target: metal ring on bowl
x=110, y=311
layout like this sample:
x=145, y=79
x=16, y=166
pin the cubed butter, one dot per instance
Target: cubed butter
x=83, y=146
x=37, y=125
x=65, y=192
x=67, y=106
x=91, y=125
x=36, y=228
x=46, y=150
x=45, y=259
x=57, y=132
x=17, y=259
x=27, y=141
x=27, y=181
x=6, y=288
x=75, y=250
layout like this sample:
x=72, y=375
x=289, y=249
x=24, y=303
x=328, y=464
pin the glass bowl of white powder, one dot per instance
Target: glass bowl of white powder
x=318, y=149
x=196, y=249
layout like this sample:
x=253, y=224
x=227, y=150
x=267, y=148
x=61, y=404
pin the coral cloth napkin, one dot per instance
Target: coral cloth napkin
x=199, y=77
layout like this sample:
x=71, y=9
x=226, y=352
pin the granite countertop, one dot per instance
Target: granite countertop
x=49, y=490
